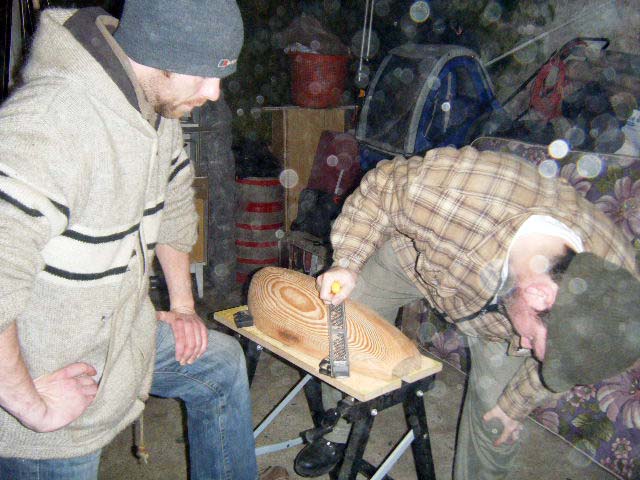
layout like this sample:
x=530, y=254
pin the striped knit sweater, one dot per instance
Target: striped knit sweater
x=88, y=187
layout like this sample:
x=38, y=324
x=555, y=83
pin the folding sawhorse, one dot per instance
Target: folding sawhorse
x=367, y=398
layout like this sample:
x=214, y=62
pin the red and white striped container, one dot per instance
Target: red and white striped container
x=259, y=224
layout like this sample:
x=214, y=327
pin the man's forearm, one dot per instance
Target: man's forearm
x=18, y=394
x=175, y=266
x=189, y=332
x=524, y=392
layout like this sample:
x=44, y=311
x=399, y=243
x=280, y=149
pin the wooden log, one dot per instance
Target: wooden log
x=286, y=306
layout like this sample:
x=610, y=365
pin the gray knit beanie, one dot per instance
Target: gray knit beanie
x=593, y=330
x=192, y=37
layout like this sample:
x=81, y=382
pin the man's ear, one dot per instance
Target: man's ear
x=541, y=294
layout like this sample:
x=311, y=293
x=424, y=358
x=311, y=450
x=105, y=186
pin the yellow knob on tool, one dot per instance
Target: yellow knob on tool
x=335, y=287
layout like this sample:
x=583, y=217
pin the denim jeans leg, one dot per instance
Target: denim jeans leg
x=215, y=391
x=75, y=468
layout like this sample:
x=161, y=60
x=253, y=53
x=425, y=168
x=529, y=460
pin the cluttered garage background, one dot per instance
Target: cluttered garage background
x=325, y=89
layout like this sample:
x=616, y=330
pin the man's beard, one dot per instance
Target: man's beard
x=176, y=110
x=152, y=88
x=168, y=110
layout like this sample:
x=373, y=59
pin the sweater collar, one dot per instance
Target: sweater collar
x=92, y=28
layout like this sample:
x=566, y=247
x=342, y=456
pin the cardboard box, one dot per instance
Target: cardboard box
x=295, y=133
x=199, y=250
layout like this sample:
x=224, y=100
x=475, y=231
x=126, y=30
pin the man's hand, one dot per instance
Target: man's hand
x=190, y=333
x=345, y=278
x=65, y=394
x=511, y=430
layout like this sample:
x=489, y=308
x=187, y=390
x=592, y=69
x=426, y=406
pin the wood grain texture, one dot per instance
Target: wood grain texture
x=285, y=305
x=357, y=385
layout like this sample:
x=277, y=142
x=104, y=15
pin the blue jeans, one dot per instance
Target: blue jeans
x=215, y=391
x=77, y=468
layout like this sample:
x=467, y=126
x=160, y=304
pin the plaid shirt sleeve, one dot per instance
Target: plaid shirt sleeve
x=524, y=392
x=365, y=219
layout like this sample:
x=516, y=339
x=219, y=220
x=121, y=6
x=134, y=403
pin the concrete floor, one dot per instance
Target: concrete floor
x=543, y=456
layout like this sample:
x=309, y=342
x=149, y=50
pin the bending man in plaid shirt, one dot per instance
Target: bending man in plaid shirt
x=507, y=255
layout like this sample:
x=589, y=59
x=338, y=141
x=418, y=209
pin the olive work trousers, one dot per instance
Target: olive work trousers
x=383, y=286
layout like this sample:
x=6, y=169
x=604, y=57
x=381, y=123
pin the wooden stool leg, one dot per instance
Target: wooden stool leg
x=355, y=449
x=416, y=418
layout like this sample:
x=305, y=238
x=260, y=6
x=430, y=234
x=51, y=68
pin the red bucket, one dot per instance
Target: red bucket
x=317, y=81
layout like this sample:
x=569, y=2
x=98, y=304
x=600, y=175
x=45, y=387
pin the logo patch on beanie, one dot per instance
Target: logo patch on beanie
x=225, y=62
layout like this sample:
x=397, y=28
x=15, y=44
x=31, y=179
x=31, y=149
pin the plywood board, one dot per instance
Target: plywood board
x=359, y=386
x=199, y=251
x=295, y=136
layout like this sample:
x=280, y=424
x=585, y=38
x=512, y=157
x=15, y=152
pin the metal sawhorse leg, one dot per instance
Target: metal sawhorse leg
x=361, y=415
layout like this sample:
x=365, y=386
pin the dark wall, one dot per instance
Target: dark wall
x=263, y=70
x=114, y=7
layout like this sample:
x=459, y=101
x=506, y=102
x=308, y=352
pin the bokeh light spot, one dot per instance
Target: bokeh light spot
x=539, y=263
x=425, y=332
x=548, y=168
x=439, y=389
x=289, y=178
x=492, y=12
x=575, y=136
x=558, y=149
x=433, y=82
x=221, y=270
x=577, y=285
x=589, y=166
x=419, y=11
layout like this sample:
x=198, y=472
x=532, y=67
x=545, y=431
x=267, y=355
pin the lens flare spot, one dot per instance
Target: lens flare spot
x=548, y=168
x=577, y=285
x=558, y=149
x=539, y=264
x=589, y=166
x=419, y=11
x=289, y=178
x=221, y=270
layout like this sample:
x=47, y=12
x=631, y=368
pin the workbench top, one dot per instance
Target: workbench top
x=359, y=386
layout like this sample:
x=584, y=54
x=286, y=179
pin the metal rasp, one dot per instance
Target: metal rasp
x=337, y=365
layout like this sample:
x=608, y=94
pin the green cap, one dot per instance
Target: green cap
x=593, y=330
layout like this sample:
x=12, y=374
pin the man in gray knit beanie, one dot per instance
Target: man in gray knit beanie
x=94, y=184
x=180, y=49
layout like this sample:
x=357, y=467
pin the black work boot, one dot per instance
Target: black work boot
x=318, y=457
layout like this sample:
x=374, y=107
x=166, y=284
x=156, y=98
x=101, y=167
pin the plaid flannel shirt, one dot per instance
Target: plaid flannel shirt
x=451, y=217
